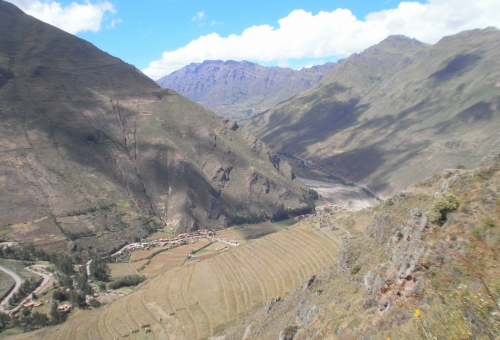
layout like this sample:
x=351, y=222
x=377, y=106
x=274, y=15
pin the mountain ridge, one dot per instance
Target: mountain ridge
x=95, y=154
x=391, y=115
x=239, y=90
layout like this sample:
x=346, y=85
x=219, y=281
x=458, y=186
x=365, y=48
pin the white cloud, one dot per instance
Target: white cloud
x=72, y=18
x=338, y=33
x=198, y=16
x=113, y=23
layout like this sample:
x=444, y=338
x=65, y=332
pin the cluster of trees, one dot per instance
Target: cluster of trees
x=147, y=228
x=99, y=269
x=72, y=288
x=31, y=321
x=76, y=297
x=26, y=321
x=127, y=281
x=27, y=252
x=26, y=288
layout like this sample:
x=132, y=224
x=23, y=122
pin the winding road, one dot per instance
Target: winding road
x=17, y=279
x=18, y=282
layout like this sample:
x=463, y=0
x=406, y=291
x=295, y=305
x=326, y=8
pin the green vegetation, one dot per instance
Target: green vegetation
x=28, y=252
x=127, y=281
x=99, y=269
x=26, y=288
x=443, y=205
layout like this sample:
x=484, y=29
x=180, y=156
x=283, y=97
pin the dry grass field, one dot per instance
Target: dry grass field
x=171, y=259
x=121, y=270
x=41, y=232
x=144, y=254
x=18, y=267
x=159, y=234
x=193, y=302
x=138, y=264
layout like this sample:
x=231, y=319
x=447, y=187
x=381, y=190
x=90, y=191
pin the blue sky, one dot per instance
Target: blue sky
x=155, y=26
x=160, y=36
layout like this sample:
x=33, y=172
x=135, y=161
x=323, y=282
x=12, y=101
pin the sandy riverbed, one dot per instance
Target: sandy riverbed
x=346, y=196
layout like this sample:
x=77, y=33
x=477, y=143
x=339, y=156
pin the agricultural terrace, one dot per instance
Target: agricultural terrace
x=192, y=302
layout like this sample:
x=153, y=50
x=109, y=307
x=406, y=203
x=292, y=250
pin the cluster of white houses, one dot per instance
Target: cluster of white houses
x=179, y=240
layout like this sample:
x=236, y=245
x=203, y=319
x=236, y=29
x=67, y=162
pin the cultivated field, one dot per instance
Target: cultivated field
x=6, y=282
x=121, y=270
x=171, y=259
x=18, y=267
x=192, y=302
x=144, y=254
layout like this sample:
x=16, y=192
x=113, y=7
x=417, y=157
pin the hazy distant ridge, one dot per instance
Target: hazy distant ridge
x=239, y=90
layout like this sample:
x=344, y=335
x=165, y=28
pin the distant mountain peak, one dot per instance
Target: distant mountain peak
x=240, y=89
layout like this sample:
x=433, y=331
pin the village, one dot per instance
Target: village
x=179, y=240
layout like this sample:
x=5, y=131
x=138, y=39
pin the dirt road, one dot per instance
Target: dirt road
x=18, y=281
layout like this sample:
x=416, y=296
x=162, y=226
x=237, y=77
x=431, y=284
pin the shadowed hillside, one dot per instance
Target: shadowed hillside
x=239, y=90
x=94, y=154
x=395, y=113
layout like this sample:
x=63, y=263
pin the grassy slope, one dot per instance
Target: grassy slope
x=364, y=294
x=396, y=277
x=395, y=113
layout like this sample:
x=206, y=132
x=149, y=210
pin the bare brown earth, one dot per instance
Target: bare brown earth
x=93, y=154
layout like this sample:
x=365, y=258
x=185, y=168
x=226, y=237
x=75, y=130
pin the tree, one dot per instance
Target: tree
x=55, y=316
x=99, y=269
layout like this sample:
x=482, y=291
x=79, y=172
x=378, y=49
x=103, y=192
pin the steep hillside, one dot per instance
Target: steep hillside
x=421, y=266
x=239, y=90
x=395, y=113
x=94, y=154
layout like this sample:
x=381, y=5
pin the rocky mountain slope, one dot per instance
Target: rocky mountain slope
x=94, y=154
x=422, y=265
x=239, y=90
x=395, y=113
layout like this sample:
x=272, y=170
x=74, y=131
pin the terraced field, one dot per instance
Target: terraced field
x=190, y=302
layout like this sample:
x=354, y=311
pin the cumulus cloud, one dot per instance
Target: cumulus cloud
x=72, y=18
x=338, y=33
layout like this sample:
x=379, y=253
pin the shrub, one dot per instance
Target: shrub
x=94, y=303
x=442, y=206
x=355, y=269
x=127, y=281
